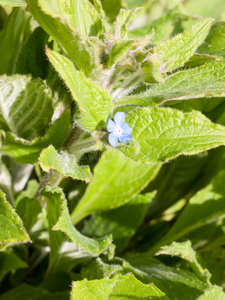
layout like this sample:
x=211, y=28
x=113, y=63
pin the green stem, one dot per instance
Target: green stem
x=52, y=178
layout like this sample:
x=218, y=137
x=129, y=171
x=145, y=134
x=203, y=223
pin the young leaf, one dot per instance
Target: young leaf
x=59, y=20
x=64, y=163
x=184, y=250
x=91, y=246
x=119, y=49
x=12, y=230
x=81, y=15
x=93, y=100
x=164, y=133
x=204, y=208
x=121, y=222
x=26, y=105
x=26, y=152
x=204, y=81
x=10, y=40
x=120, y=287
x=10, y=262
x=124, y=17
x=176, y=51
x=116, y=180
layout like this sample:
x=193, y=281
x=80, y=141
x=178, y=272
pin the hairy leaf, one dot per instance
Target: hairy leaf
x=64, y=224
x=164, y=133
x=93, y=100
x=26, y=105
x=28, y=152
x=119, y=50
x=215, y=292
x=124, y=17
x=59, y=22
x=117, y=288
x=64, y=163
x=81, y=15
x=110, y=189
x=176, y=51
x=204, y=81
x=184, y=250
x=12, y=230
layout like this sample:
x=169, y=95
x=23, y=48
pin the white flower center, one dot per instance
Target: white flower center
x=118, y=131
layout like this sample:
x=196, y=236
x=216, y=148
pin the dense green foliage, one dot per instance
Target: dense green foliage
x=79, y=218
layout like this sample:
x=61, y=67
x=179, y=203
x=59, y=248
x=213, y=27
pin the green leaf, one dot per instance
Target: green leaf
x=124, y=17
x=54, y=198
x=32, y=59
x=97, y=269
x=120, y=287
x=204, y=208
x=184, y=250
x=25, y=292
x=12, y=230
x=81, y=15
x=64, y=224
x=175, y=282
x=93, y=100
x=60, y=20
x=215, y=292
x=6, y=3
x=64, y=163
x=10, y=39
x=28, y=152
x=28, y=210
x=164, y=133
x=214, y=43
x=121, y=222
x=116, y=180
x=176, y=51
x=200, y=82
x=119, y=50
x=26, y=105
x=10, y=262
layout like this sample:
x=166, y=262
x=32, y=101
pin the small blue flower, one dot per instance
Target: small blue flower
x=119, y=130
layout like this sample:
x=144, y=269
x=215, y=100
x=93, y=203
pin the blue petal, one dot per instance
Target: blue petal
x=125, y=138
x=119, y=118
x=113, y=139
x=110, y=126
x=126, y=129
